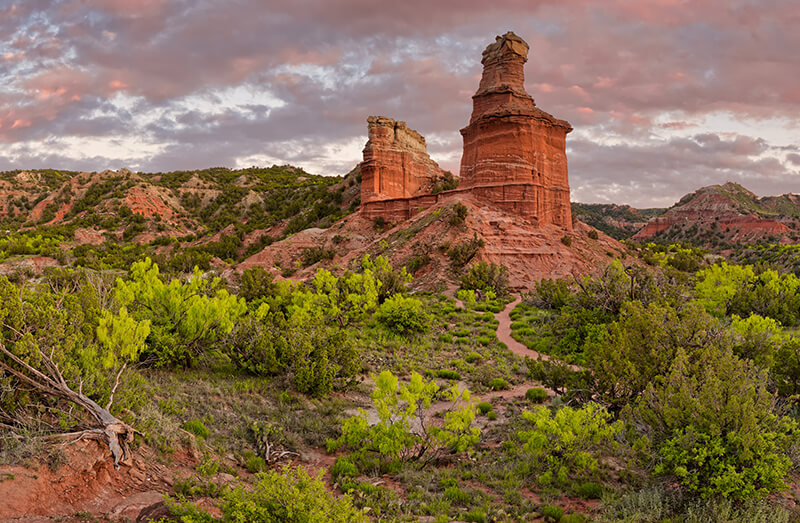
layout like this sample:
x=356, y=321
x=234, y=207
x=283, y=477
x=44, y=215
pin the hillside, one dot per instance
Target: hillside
x=438, y=243
x=111, y=218
x=723, y=216
x=618, y=221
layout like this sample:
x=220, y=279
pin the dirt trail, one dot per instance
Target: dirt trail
x=504, y=333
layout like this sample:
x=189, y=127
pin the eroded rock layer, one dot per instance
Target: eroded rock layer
x=396, y=162
x=515, y=153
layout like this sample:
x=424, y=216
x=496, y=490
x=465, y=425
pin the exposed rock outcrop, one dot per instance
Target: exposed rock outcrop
x=727, y=213
x=515, y=153
x=396, y=162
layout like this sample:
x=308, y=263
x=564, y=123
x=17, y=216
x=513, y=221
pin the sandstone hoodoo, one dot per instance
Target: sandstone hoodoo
x=514, y=153
x=396, y=168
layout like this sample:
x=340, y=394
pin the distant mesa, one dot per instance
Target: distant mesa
x=514, y=153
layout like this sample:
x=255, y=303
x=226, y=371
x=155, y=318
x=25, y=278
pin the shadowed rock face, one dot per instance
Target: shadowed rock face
x=515, y=153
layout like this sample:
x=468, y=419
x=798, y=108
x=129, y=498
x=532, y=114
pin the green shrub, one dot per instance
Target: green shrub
x=448, y=374
x=536, y=395
x=486, y=277
x=566, y=240
x=573, y=518
x=491, y=415
x=565, y=442
x=484, y=407
x=590, y=490
x=498, y=384
x=460, y=212
x=403, y=315
x=552, y=513
x=461, y=253
x=456, y=495
x=473, y=357
x=712, y=423
x=477, y=515
x=343, y=467
x=392, y=439
x=291, y=496
x=253, y=462
x=312, y=255
x=593, y=234
x=197, y=428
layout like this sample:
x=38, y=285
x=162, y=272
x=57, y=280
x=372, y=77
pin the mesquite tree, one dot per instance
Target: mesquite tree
x=60, y=350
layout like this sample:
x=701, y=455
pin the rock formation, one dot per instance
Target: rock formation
x=514, y=153
x=396, y=162
x=727, y=213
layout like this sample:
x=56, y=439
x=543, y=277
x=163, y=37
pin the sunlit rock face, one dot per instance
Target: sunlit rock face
x=515, y=153
x=396, y=162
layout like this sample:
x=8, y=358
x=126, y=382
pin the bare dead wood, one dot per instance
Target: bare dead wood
x=116, y=434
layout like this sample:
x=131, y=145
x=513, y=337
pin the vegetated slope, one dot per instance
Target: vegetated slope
x=438, y=243
x=110, y=218
x=724, y=216
x=618, y=221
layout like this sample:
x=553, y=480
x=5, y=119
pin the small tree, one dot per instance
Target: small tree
x=404, y=431
x=403, y=315
x=563, y=442
x=57, y=350
x=185, y=316
x=711, y=426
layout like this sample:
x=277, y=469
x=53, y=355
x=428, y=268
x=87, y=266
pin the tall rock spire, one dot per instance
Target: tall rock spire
x=514, y=151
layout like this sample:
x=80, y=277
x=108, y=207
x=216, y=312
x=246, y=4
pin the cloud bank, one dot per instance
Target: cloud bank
x=664, y=95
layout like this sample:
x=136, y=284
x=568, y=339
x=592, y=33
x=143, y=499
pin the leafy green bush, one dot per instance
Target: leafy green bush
x=552, y=513
x=313, y=255
x=566, y=240
x=186, y=317
x=461, y=253
x=197, y=428
x=711, y=426
x=473, y=357
x=485, y=277
x=491, y=415
x=460, y=212
x=593, y=234
x=403, y=315
x=536, y=395
x=448, y=374
x=590, y=490
x=343, y=467
x=254, y=463
x=564, y=442
x=498, y=384
x=484, y=407
x=393, y=439
x=291, y=495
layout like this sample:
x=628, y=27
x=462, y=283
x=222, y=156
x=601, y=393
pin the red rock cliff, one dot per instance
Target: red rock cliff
x=396, y=162
x=515, y=153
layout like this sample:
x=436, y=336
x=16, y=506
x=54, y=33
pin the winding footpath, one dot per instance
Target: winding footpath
x=504, y=333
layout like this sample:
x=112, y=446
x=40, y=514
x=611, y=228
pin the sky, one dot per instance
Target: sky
x=665, y=96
